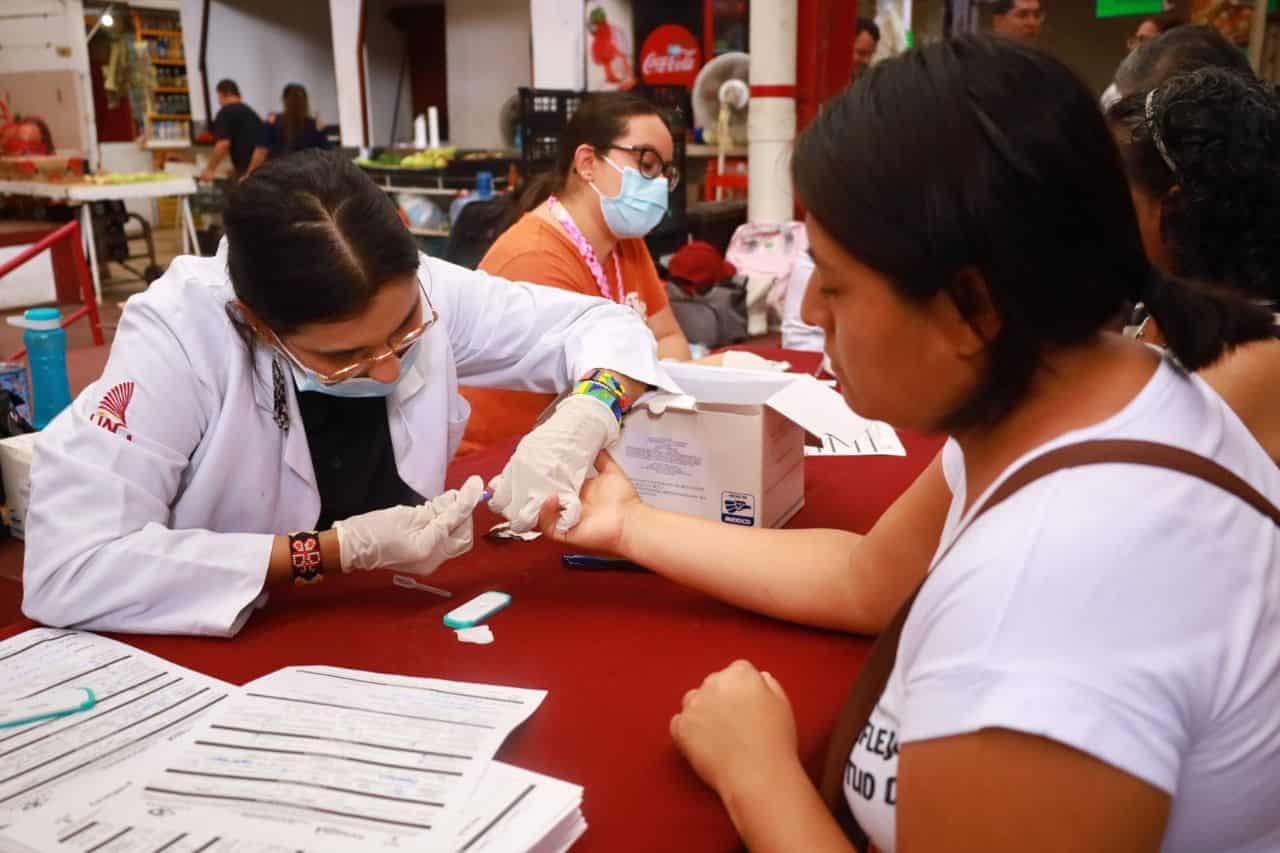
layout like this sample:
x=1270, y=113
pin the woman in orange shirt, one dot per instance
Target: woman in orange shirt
x=583, y=229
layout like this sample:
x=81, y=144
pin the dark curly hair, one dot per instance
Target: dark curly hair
x=1218, y=174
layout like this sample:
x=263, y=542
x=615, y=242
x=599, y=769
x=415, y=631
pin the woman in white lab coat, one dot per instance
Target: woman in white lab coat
x=283, y=409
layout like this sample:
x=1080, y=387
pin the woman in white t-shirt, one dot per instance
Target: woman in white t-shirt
x=1095, y=664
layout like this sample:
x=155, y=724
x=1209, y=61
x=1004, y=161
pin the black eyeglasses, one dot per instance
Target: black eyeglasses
x=651, y=164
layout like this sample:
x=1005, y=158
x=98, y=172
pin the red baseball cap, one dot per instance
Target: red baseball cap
x=699, y=265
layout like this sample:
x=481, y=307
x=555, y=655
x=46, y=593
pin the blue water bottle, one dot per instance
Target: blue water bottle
x=46, y=345
x=484, y=191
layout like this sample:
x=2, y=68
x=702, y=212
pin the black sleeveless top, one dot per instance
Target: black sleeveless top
x=351, y=451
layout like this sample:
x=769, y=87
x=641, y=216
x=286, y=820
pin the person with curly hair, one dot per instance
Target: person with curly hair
x=1202, y=151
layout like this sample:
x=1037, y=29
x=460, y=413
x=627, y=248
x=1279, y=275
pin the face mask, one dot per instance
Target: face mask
x=638, y=207
x=360, y=386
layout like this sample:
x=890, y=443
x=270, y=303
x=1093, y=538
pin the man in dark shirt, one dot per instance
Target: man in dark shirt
x=237, y=129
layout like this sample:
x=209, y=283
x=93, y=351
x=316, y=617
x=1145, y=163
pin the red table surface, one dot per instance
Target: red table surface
x=616, y=651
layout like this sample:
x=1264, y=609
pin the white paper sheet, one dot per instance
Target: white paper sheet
x=516, y=810
x=875, y=439
x=315, y=758
x=513, y=810
x=143, y=701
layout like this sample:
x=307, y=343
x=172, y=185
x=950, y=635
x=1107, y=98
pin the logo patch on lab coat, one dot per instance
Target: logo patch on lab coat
x=110, y=414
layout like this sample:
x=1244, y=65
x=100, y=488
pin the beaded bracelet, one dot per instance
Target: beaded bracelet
x=603, y=393
x=611, y=380
x=304, y=556
x=606, y=387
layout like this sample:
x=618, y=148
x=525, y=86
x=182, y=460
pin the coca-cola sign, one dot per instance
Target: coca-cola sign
x=670, y=57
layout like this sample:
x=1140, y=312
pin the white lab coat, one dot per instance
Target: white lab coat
x=166, y=524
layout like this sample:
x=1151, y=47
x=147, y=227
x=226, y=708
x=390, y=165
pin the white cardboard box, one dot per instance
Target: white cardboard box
x=15, y=469
x=731, y=448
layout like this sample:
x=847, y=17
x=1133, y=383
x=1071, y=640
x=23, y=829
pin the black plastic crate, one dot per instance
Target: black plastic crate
x=544, y=113
x=547, y=111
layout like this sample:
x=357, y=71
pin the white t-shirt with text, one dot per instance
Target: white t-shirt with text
x=1132, y=613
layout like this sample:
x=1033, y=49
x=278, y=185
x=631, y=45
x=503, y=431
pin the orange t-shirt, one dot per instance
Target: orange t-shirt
x=537, y=251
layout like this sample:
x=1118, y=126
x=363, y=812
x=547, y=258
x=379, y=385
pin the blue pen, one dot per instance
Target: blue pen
x=589, y=562
x=46, y=706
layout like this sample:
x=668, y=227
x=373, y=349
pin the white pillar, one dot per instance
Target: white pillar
x=344, y=18
x=192, y=32
x=771, y=122
x=1258, y=34
x=74, y=31
x=559, y=44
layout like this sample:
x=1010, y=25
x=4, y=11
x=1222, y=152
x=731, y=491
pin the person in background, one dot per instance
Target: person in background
x=1180, y=49
x=866, y=38
x=583, y=230
x=1149, y=29
x=237, y=129
x=1202, y=151
x=1020, y=20
x=295, y=129
x=1095, y=663
x=1154, y=26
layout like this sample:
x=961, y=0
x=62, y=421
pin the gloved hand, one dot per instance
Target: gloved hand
x=411, y=539
x=554, y=459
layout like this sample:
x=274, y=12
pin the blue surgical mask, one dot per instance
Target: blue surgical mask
x=360, y=386
x=638, y=207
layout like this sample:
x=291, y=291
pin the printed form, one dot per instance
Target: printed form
x=142, y=701
x=316, y=758
x=513, y=811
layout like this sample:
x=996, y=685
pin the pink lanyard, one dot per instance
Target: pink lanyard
x=583, y=246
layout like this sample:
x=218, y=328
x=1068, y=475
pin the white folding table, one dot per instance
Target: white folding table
x=83, y=193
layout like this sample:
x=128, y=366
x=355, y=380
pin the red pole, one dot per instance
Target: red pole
x=70, y=231
x=825, y=52
x=36, y=248
x=87, y=293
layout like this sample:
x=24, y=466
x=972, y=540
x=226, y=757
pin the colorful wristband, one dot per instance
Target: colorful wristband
x=609, y=383
x=603, y=393
x=304, y=555
x=610, y=380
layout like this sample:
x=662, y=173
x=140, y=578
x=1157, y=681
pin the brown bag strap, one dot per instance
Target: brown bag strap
x=875, y=673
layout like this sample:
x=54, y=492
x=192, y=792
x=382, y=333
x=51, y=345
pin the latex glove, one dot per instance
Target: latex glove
x=411, y=539
x=554, y=459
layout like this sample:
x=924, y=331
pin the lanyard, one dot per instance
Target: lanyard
x=583, y=246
